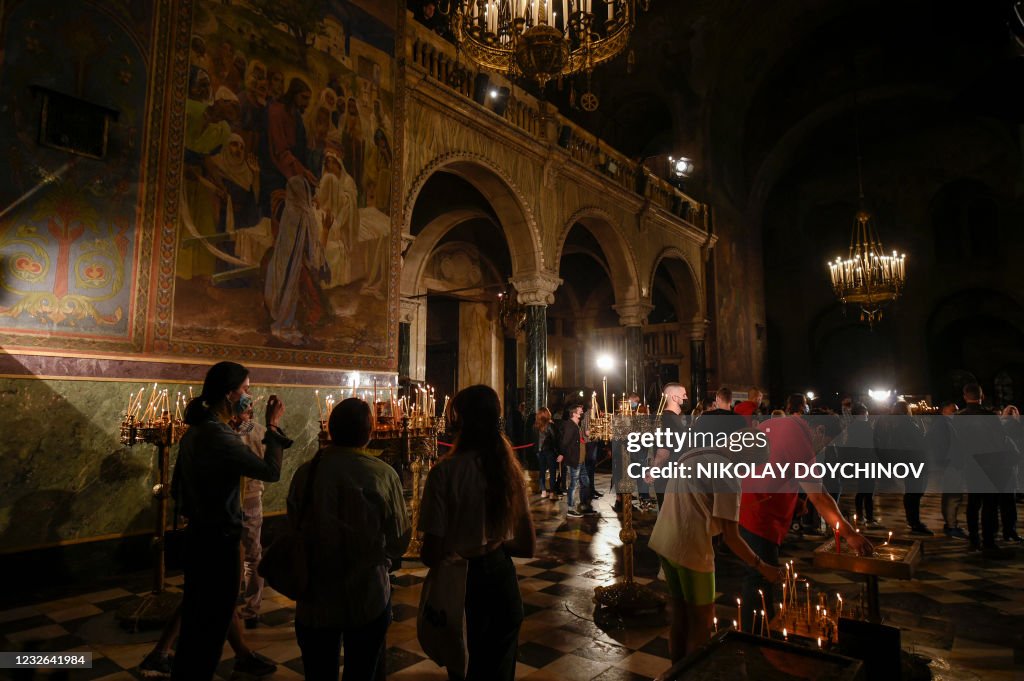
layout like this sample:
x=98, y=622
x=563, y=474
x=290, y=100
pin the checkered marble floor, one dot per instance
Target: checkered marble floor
x=963, y=612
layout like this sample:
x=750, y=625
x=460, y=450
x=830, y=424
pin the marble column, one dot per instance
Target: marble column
x=536, y=291
x=633, y=315
x=698, y=360
x=408, y=308
x=536, y=387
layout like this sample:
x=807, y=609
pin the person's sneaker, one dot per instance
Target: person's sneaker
x=872, y=523
x=544, y=494
x=157, y=665
x=921, y=530
x=954, y=532
x=589, y=510
x=255, y=665
x=597, y=495
x=1014, y=539
x=573, y=513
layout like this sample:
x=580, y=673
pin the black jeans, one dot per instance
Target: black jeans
x=1008, y=513
x=213, y=572
x=591, y=464
x=768, y=551
x=865, y=504
x=912, y=507
x=988, y=504
x=494, y=613
x=364, y=650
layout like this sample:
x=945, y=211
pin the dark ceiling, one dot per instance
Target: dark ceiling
x=741, y=86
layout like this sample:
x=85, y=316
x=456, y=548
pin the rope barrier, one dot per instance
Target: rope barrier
x=521, y=447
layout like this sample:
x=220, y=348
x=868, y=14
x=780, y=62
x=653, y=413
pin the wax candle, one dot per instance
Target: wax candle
x=837, y=538
x=890, y=537
x=764, y=608
x=715, y=621
x=739, y=612
x=808, y=585
x=840, y=598
x=819, y=642
x=785, y=635
x=765, y=629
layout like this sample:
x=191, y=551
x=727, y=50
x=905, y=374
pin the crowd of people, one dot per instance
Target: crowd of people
x=350, y=509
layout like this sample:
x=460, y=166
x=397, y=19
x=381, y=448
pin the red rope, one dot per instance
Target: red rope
x=449, y=444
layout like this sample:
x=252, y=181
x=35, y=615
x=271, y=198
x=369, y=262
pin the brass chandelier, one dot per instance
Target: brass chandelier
x=543, y=39
x=868, y=277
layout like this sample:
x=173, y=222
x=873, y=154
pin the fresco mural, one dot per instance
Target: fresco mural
x=69, y=247
x=284, y=224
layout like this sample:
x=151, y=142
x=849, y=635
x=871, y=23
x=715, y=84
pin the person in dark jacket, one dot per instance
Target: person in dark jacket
x=859, y=447
x=547, y=453
x=572, y=446
x=898, y=438
x=985, y=450
x=212, y=459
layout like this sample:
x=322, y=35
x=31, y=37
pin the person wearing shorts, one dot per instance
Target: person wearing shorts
x=694, y=512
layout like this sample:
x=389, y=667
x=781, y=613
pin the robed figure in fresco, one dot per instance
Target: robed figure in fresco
x=296, y=265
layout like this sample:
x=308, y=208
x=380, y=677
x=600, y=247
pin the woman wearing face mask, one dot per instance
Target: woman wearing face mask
x=211, y=462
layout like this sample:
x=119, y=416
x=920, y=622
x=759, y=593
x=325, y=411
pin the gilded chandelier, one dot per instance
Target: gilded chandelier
x=868, y=277
x=543, y=39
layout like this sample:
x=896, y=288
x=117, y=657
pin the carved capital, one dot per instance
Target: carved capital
x=408, y=307
x=633, y=313
x=696, y=329
x=536, y=288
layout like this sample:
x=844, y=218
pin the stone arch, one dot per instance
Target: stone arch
x=515, y=216
x=418, y=255
x=685, y=278
x=616, y=249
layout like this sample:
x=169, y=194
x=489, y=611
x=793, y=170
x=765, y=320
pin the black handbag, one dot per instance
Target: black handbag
x=286, y=563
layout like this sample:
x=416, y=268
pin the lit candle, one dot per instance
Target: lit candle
x=840, y=598
x=763, y=607
x=739, y=612
x=735, y=625
x=837, y=538
x=765, y=629
x=785, y=635
x=715, y=621
x=855, y=520
x=819, y=642
x=808, y=584
x=890, y=537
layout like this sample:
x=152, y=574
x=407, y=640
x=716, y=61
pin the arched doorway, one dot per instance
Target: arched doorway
x=598, y=272
x=673, y=339
x=467, y=235
x=978, y=333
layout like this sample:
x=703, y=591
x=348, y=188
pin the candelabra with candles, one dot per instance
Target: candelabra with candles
x=154, y=424
x=626, y=597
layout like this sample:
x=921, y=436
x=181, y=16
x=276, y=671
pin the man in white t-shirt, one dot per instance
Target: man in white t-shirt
x=695, y=510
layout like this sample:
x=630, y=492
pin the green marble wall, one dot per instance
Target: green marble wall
x=65, y=477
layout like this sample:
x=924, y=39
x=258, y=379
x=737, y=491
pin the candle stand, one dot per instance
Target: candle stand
x=626, y=597
x=158, y=606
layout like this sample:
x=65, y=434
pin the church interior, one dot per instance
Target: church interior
x=244, y=243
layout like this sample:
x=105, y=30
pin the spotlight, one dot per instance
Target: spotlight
x=681, y=167
x=879, y=395
x=810, y=395
x=605, y=362
x=499, y=98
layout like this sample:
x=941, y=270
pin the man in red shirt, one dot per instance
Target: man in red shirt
x=748, y=407
x=765, y=514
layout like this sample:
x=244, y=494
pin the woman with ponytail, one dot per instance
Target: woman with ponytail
x=211, y=462
x=475, y=506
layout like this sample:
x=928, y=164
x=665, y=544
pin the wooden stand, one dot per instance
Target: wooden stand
x=156, y=608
